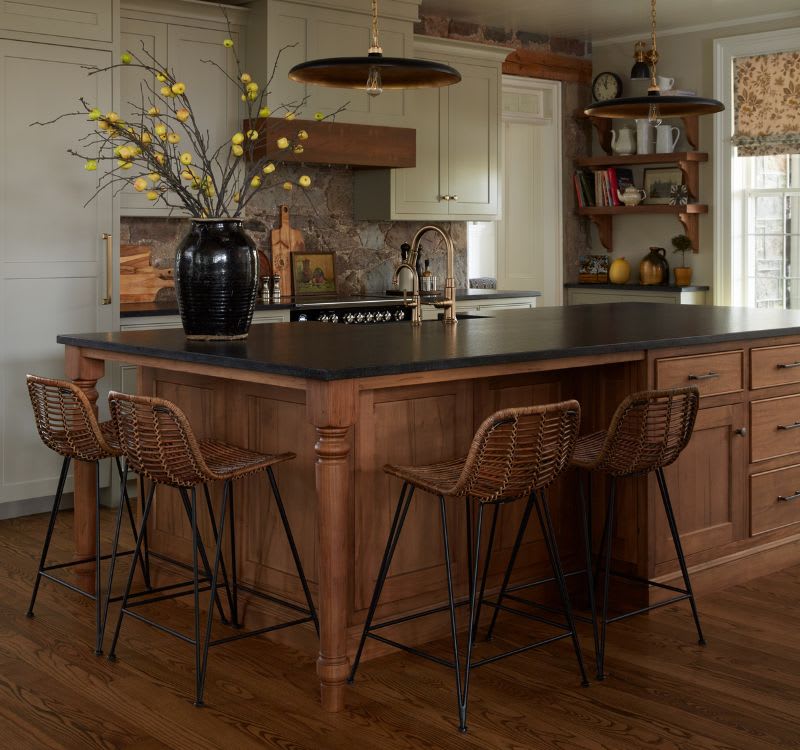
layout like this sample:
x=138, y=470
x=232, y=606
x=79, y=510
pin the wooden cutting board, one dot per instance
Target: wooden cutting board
x=138, y=280
x=285, y=240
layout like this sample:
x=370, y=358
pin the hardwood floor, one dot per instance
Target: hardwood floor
x=663, y=691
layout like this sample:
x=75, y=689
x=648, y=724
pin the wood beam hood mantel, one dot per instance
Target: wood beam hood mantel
x=358, y=146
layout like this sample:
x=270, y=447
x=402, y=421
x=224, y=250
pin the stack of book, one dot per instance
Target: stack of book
x=600, y=187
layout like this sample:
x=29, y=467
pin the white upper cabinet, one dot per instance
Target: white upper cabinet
x=76, y=19
x=456, y=176
x=191, y=47
x=332, y=30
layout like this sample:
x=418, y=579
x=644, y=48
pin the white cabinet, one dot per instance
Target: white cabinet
x=456, y=175
x=589, y=295
x=191, y=47
x=75, y=19
x=52, y=257
x=321, y=30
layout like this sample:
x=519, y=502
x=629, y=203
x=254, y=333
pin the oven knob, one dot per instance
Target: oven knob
x=333, y=318
x=400, y=315
x=370, y=317
x=302, y=318
x=323, y=318
x=349, y=318
x=359, y=317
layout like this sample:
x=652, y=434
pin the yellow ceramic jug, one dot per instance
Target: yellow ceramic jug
x=619, y=272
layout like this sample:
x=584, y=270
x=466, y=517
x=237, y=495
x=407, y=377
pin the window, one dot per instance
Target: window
x=769, y=211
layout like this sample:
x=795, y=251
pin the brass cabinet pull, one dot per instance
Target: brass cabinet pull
x=787, y=498
x=453, y=197
x=788, y=365
x=742, y=432
x=109, y=263
x=708, y=376
x=792, y=426
x=446, y=197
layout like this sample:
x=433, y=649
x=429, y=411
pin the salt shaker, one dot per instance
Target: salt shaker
x=276, y=288
x=265, y=289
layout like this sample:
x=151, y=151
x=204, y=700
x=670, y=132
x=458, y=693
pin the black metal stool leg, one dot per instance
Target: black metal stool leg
x=512, y=559
x=468, y=517
x=546, y=521
x=673, y=527
x=292, y=546
x=489, y=548
x=586, y=513
x=62, y=478
x=608, y=534
x=114, y=549
x=143, y=531
x=124, y=498
x=227, y=495
x=403, y=503
x=232, y=598
x=98, y=593
x=136, y=556
x=202, y=549
x=196, y=592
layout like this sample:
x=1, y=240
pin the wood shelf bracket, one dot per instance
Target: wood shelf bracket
x=691, y=126
x=605, y=229
x=691, y=178
x=603, y=127
x=691, y=225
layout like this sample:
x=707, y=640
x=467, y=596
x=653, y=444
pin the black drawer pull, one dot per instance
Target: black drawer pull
x=707, y=376
x=788, y=365
x=792, y=426
x=787, y=498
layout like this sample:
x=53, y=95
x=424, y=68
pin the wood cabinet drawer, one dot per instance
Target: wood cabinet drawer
x=775, y=427
x=713, y=374
x=774, y=365
x=774, y=499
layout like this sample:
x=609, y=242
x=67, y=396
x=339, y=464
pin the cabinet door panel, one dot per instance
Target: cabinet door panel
x=707, y=486
x=472, y=141
x=78, y=19
x=51, y=255
x=288, y=29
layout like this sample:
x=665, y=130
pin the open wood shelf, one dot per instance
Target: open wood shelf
x=622, y=160
x=602, y=217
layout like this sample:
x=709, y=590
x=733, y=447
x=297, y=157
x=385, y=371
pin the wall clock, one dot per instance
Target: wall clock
x=606, y=86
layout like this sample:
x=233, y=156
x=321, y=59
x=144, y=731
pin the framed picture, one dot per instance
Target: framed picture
x=660, y=184
x=593, y=269
x=313, y=273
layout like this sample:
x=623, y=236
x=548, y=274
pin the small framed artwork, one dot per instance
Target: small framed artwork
x=593, y=269
x=661, y=184
x=313, y=273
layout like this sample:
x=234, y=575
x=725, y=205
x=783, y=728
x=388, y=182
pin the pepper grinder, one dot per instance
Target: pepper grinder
x=276, y=288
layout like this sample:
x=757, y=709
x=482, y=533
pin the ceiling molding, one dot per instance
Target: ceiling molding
x=714, y=26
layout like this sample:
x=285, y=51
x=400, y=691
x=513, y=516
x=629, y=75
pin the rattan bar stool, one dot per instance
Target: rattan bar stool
x=67, y=425
x=160, y=445
x=516, y=453
x=647, y=432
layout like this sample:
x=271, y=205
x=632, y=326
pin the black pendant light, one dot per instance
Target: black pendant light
x=655, y=105
x=375, y=73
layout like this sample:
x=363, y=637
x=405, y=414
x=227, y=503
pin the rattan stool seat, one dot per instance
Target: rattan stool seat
x=227, y=461
x=438, y=479
x=588, y=449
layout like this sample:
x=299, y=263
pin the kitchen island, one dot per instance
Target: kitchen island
x=349, y=400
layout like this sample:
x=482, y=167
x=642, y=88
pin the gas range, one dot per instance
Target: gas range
x=357, y=310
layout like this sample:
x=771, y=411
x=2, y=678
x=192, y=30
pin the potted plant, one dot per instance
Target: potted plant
x=683, y=273
x=164, y=153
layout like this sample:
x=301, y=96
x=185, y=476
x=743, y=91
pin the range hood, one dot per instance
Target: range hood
x=357, y=146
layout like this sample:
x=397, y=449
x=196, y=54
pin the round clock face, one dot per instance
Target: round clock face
x=606, y=86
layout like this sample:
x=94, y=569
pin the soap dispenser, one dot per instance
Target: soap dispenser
x=405, y=277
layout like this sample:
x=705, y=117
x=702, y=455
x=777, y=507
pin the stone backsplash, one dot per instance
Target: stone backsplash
x=366, y=252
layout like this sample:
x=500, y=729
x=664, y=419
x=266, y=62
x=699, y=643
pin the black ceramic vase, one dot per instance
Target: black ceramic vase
x=216, y=279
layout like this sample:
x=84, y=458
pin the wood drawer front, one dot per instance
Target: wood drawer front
x=774, y=365
x=774, y=499
x=713, y=374
x=775, y=427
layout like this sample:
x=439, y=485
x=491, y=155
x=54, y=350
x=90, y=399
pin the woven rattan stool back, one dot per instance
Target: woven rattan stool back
x=157, y=440
x=517, y=451
x=65, y=420
x=648, y=431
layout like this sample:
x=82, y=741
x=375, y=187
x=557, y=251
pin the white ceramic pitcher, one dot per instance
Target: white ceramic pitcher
x=666, y=138
x=644, y=137
x=622, y=141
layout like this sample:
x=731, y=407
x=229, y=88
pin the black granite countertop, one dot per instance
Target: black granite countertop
x=148, y=309
x=642, y=287
x=324, y=351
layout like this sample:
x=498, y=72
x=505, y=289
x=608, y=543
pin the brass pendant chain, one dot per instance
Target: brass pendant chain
x=653, y=56
x=375, y=47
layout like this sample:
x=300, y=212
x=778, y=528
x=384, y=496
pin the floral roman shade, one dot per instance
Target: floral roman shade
x=767, y=104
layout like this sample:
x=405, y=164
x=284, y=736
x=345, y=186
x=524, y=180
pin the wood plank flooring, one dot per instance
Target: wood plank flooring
x=664, y=691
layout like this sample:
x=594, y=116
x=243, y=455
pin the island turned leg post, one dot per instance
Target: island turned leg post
x=85, y=373
x=331, y=409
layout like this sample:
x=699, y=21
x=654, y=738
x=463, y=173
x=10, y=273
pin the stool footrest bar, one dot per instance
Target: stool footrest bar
x=650, y=607
x=274, y=599
x=165, y=597
x=647, y=582
x=68, y=585
x=260, y=631
x=159, y=626
x=85, y=561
